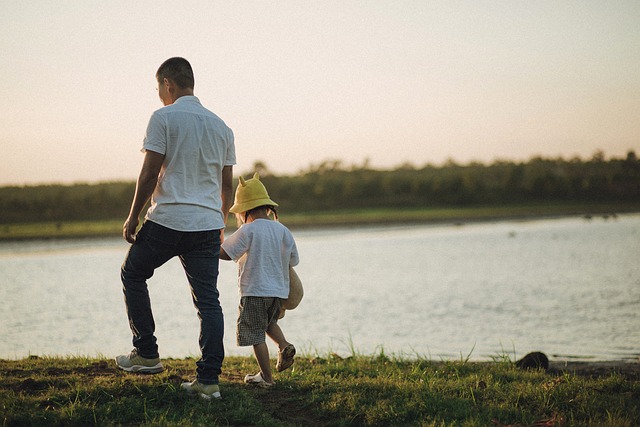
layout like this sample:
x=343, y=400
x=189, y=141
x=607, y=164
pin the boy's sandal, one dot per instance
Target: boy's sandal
x=257, y=380
x=285, y=358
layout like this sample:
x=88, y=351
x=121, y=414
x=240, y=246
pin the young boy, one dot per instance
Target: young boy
x=264, y=250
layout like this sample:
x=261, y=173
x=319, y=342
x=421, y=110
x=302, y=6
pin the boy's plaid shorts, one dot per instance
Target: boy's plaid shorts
x=255, y=314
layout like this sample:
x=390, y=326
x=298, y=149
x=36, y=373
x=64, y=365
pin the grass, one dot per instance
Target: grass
x=61, y=229
x=372, y=216
x=318, y=391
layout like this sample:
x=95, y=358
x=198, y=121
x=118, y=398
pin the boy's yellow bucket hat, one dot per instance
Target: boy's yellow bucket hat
x=251, y=194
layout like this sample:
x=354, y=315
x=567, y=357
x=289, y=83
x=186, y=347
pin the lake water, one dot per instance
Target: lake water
x=568, y=287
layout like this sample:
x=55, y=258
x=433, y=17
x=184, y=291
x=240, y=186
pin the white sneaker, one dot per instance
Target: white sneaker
x=133, y=362
x=258, y=380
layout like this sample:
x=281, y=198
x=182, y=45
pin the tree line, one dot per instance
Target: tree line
x=330, y=186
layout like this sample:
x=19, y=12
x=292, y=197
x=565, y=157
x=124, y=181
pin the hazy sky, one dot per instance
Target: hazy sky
x=300, y=82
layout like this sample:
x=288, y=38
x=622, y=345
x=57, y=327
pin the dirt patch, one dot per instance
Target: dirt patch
x=630, y=370
x=285, y=405
x=96, y=369
x=30, y=386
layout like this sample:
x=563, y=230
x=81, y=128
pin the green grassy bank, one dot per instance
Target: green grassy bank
x=78, y=229
x=318, y=391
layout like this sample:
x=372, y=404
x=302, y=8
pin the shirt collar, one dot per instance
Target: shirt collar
x=187, y=98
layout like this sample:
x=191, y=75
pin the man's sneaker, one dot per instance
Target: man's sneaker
x=133, y=362
x=206, y=391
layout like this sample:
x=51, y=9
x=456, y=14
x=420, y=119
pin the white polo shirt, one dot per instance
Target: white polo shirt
x=196, y=144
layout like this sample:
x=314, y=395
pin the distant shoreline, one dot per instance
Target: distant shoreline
x=339, y=219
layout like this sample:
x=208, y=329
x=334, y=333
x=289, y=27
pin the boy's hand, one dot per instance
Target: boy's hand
x=224, y=255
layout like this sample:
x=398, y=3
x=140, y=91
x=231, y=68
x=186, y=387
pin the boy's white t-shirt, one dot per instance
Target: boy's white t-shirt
x=263, y=249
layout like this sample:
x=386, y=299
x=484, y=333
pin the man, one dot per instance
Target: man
x=187, y=172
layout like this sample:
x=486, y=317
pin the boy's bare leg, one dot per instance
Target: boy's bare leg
x=275, y=333
x=261, y=352
x=286, y=350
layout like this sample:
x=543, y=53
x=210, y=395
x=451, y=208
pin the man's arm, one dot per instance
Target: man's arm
x=147, y=181
x=226, y=193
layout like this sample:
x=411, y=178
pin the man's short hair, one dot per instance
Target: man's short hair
x=177, y=69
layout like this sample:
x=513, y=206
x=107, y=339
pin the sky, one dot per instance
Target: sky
x=379, y=82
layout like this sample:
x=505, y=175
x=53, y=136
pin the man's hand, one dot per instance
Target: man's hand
x=129, y=229
x=147, y=181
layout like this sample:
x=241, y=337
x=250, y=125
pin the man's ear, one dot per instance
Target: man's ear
x=169, y=84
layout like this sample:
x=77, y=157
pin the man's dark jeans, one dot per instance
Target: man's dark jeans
x=199, y=253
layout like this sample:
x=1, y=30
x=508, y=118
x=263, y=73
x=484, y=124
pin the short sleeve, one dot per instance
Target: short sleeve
x=155, y=139
x=295, y=259
x=230, y=159
x=237, y=244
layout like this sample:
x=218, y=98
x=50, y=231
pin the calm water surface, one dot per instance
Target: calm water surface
x=568, y=287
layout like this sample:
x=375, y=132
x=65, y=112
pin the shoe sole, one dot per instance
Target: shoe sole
x=265, y=385
x=215, y=395
x=143, y=369
x=286, y=358
x=261, y=384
